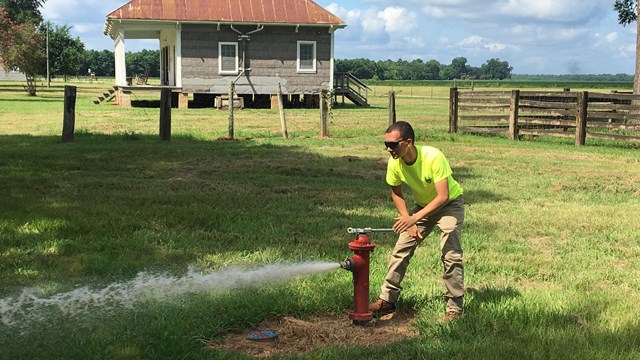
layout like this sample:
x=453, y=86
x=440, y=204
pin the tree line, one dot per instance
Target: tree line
x=37, y=47
x=68, y=56
x=492, y=69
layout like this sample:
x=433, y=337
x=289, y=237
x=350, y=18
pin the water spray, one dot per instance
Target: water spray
x=358, y=264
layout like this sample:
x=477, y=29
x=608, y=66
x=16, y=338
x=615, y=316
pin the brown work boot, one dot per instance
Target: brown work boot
x=382, y=307
x=452, y=316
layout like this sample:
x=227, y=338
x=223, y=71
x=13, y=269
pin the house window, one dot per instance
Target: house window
x=306, y=56
x=228, y=58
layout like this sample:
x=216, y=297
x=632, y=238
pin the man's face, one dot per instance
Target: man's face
x=396, y=146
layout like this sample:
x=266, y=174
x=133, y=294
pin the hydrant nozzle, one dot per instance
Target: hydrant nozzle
x=348, y=264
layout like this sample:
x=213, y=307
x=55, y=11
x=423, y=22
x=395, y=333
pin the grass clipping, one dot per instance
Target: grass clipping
x=300, y=337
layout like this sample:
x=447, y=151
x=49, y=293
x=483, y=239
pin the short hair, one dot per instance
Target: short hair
x=405, y=129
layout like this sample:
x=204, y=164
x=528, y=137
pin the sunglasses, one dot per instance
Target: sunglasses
x=392, y=144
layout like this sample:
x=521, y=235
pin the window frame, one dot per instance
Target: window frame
x=312, y=70
x=227, y=72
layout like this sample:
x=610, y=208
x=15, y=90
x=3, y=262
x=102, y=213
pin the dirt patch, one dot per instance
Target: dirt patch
x=300, y=337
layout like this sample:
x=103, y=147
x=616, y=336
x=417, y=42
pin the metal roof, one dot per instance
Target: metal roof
x=234, y=11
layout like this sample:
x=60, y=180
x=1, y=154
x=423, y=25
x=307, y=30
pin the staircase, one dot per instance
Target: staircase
x=352, y=88
x=107, y=96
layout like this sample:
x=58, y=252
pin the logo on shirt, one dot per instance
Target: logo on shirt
x=428, y=180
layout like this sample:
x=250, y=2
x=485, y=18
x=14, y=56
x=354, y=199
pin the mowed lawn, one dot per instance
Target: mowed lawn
x=551, y=237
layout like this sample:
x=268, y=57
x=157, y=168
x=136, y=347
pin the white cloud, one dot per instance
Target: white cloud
x=472, y=40
x=85, y=28
x=371, y=22
x=495, y=47
x=433, y=11
x=548, y=9
x=611, y=37
x=415, y=41
x=628, y=51
x=398, y=20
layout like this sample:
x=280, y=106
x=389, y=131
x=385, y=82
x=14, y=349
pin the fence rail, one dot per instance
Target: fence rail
x=613, y=116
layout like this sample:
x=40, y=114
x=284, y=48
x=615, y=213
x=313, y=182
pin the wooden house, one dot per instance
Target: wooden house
x=205, y=45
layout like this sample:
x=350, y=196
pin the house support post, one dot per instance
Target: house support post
x=123, y=98
x=275, y=101
x=183, y=100
x=120, y=62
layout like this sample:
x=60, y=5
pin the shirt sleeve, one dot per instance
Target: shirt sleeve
x=393, y=178
x=440, y=167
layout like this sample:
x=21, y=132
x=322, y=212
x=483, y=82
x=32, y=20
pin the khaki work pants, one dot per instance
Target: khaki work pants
x=449, y=219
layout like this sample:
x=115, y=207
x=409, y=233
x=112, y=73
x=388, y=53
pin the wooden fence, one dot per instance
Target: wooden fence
x=612, y=116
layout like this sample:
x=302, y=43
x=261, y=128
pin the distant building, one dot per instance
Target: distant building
x=10, y=75
x=256, y=44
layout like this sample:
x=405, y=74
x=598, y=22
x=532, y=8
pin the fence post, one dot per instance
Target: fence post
x=392, y=107
x=513, y=114
x=453, y=110
x=231, y=90
x=165, y=114
x=283, y=121
x=581, y=118
x=324, y=114
x=69, y=118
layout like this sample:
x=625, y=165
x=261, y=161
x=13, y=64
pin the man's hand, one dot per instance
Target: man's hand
x=404, y=223
x=415, y=232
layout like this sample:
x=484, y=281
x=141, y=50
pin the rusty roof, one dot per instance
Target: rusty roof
x=235, y=11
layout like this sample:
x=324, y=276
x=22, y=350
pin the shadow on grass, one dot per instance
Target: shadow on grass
x=33, y=99
x=107, y=206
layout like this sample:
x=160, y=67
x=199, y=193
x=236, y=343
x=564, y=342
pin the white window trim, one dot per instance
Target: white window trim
x=227, y=72
x=308, y=71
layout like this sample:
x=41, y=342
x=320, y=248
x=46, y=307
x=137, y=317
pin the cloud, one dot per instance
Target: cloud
x=495, y=47
x=398, y=20
x=628, y=51
x=472, y=40
x=611, y=37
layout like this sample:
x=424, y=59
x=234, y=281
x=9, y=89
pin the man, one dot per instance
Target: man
x=426, y=172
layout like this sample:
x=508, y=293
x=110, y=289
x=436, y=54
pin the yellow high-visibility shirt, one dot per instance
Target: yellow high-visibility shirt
x=430, y=167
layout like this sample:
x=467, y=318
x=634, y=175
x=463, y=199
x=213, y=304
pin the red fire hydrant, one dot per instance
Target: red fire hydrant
x=359, y=265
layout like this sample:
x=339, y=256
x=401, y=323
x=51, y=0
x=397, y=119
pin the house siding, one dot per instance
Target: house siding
x=271, y=56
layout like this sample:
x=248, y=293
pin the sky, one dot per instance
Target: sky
x=533, y=36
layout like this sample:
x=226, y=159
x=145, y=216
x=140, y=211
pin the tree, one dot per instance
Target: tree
x=432, y=70
x=65, y=52
x=457, y=70
x=101, y=63
x=20, y=49
x=139, y=62
x=494, y=69
x=628, y=11
x=23, y=11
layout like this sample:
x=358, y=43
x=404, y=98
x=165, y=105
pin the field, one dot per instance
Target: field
x=551, y=236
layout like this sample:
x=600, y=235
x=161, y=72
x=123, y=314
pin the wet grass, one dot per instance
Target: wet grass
x=551, y=233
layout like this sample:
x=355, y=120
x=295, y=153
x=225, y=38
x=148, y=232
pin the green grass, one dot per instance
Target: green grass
x=551, y=236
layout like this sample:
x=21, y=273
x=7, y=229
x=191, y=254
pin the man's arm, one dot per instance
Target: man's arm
x=398, y=200
x=404, y=222
x=401, y=205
